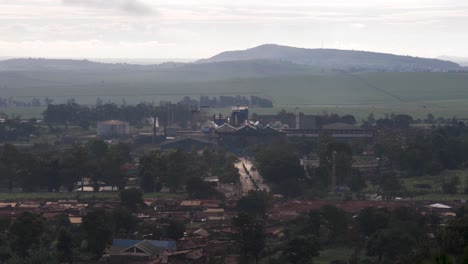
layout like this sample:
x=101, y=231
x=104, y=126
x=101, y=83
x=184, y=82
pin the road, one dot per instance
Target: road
x=246, y=182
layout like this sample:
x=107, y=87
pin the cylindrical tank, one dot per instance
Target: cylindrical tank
x=112, y=129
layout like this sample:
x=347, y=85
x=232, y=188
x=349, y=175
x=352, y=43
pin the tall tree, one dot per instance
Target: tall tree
x=97, y=227
x=250, y=235
x=64, y=246
x=131, y=198
x=25, y=233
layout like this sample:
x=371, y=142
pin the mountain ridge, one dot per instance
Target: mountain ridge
x=264, y=58
x=336, y=59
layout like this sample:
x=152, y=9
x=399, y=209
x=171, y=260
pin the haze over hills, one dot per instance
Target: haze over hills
x=336, y=59
x=261, y=59
x=460, y=60
x=287, y=76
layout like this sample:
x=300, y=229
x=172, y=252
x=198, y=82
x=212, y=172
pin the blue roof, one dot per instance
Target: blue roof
x=126, y=243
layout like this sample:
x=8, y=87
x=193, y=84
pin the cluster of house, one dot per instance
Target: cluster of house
x=208, y=228
x=209, y=233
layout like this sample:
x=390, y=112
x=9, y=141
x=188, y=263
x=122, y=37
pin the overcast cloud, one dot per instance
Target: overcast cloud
x=128, y=6
x=197, y=29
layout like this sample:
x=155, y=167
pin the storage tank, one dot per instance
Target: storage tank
x=113, y=129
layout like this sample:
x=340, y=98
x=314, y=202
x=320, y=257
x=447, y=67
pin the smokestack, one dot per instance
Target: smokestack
x=154, y=128
x=298, y=120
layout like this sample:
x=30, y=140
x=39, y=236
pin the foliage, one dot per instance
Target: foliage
x=198, y=189
x=254, y=204
x=123, y=221
x=131, y=198
x=279, y=165
x=51, y=169
x=176, y=168
x=64, y=246
x=175, y=230
x=98, y=231
x=302, y=249
x=451, y=187
x=25, y=233
x=250, y=235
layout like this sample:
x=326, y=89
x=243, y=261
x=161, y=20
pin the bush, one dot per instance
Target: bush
x=451, y=187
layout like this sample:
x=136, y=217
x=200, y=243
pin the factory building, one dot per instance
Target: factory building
x=239, y=115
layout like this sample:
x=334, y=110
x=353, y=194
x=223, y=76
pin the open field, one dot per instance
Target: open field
x=436, y=181
x=331, y=254
x=442, y=94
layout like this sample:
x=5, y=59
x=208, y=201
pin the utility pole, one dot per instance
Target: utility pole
x=165, y=123
x=154, y=126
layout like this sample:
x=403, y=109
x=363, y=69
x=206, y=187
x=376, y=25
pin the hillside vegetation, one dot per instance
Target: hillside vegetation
x=275, y=72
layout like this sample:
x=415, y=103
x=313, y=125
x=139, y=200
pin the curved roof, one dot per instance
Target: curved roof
x=225, y=128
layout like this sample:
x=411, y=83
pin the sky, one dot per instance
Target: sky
x=203, y=28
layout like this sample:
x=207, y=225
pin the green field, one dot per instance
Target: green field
x=436, y=181
x=331, y=254
x=442, y=94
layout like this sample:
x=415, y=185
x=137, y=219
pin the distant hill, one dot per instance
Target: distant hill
x=349, y=60
x=60, y=64
x=265, y=60
x=460, y=60
x=165, y=72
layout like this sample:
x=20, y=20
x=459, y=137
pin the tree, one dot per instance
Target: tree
x=198, y=189
x=348, y=119
x=124, y=221
x=451, y=187
x=64, y=246
x=10, y=159
x=390, y=183
x=390, y=244
x=336, y=220
x=372, y=219
x=98, y=148
x=177, y=168
x=25, y=233
x=97, y=227
x=356, y=182
x=131, y=198
x=402, y=121
x=254, y=204
x=251, y=235
x=302, y=249
x=279, y=165
x=175, y=230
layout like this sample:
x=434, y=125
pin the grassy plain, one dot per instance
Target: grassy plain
x=442, y=94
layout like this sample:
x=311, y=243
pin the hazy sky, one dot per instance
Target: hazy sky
x=201, y=28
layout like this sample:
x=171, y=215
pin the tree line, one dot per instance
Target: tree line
x=83, y=115
x=176, y=169
x=53, y=169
